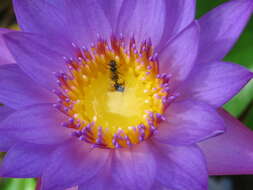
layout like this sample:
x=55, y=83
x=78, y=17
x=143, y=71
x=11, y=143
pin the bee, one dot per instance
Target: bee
x=115, y=77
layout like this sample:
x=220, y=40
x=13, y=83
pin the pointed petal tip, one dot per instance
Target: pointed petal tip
x=251, y=75
x=175, y=57
x=218, y=31
x=5, y=57
x=216, y=83
x=230, y=153
x=190, y=122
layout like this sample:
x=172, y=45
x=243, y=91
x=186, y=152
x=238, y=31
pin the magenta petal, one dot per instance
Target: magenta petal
x=179, y=56
x=5, y=56
x=36, y=58
x=219, y=31
x=135, y=168
x=18, y=90
x=76, y=21
x=180, y=167
x=189, y=122
x=232, y=152
x=215, y=83
x=73, y=164
x=39, y=124
x=143, y=19
x=25, y=160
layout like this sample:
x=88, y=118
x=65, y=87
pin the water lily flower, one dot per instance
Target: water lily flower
x=122, y=94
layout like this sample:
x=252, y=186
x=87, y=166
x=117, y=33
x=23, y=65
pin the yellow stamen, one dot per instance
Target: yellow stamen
x=114, y=95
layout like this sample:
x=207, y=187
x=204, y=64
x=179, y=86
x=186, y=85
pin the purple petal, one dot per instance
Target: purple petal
x=232, y=152
x=5, y=111
x=135, y=167
x=143, y=19
x=5, y=57
x=18, y=90
x=5, y=142
x=40, y=17
x=73, y=164
x=181, y=167
x=215, y=83
x=219, y=31
x=158, y=186
x=85, y=20
x=179, y=14
x=189, y=122
x=39, y=124
x=111, y=9
x=25, y=160
x=75, y=21
x=179, y=56
x=73, y=188
x=104, y=180
x=37, y=56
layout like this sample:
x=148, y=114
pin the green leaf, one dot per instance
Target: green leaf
x=238, y=104
x=18, y=184
x=205, y=6
x=249, y=119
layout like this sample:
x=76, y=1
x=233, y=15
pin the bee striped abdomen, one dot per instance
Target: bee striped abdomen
x=115, y=77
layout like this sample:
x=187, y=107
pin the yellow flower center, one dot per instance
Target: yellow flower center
x=113, y=93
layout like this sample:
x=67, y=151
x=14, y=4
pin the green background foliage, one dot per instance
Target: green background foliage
x=240, y=106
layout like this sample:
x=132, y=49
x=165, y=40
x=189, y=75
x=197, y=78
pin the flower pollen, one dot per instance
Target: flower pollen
x=113, y=93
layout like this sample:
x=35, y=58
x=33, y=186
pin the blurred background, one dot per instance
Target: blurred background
x=240, y=106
